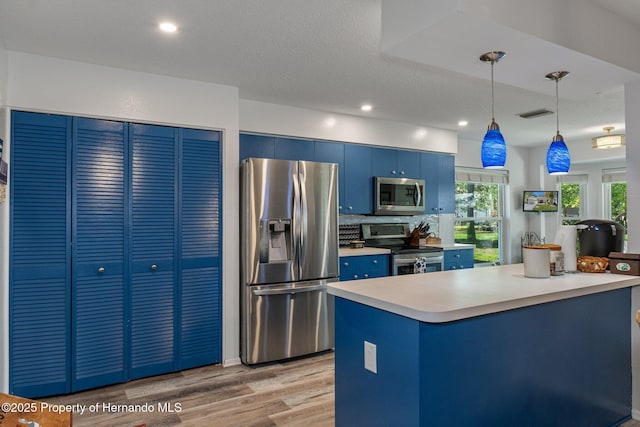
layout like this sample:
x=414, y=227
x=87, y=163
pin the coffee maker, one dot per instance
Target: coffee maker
x=599, y=237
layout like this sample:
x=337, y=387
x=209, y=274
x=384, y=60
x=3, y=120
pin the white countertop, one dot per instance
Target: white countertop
x=452, y=295
x=362, y=251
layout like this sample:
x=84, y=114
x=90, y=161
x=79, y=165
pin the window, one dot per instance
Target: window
x=479, y=211
x=614, y=183
x=573, y=198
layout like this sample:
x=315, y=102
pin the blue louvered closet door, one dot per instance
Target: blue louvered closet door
x=115, y=267
x=39, y=261
x=200, y=274
x=154, y=244
x=98, y=267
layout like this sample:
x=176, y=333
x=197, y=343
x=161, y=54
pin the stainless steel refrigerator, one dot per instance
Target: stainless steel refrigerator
x=289, y=250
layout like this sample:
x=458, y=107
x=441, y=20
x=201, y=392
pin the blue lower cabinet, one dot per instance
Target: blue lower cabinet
x=363, y=267
x=457, y=259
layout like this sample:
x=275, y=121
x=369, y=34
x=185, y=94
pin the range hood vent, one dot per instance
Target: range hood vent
x=535, y=113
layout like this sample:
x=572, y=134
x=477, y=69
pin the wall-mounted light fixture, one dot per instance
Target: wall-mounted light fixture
x=558, y=158
x=494, y=149
x=608, y=140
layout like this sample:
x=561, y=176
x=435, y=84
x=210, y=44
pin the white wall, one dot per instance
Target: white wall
x=275, y=119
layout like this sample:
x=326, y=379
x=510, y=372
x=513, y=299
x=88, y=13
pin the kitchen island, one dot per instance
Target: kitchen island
x=484, y=347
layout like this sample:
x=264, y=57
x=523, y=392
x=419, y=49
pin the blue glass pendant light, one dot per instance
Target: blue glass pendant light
x=494, y=150
x=558, y=158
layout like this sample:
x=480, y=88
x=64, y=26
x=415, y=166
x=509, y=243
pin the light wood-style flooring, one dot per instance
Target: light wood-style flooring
x=298, y=392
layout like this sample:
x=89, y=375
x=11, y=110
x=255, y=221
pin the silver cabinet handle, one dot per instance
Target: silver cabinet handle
x=346, y=264
x=393, y=172
x=101, y=270
x=350, y=207
x=375, y=261
x=355, y=276
x=457, y=255
x=366, y=276
x=154, y=267
x=401, y=172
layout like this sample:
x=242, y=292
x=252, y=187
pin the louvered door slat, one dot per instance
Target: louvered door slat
x=200, y=319
x=153, y=243
x=39, y=267
x=99, y=253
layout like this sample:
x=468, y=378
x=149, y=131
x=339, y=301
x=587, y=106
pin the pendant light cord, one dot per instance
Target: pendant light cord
x=493, y=116
x=557, y=111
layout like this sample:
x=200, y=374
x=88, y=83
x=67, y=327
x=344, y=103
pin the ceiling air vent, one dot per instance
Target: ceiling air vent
x=535, y=113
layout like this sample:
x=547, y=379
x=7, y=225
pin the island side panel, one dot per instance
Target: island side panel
x=391, y=396
x=562, y=363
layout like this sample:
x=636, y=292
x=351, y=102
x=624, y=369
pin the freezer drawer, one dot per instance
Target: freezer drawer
x=286, y=320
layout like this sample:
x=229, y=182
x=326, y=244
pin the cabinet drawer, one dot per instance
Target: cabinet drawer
x=363, y=267
x=458, y=259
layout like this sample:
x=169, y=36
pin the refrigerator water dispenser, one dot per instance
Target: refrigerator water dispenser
x=275, y=240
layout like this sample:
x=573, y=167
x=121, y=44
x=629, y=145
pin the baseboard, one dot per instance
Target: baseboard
x=232, y=362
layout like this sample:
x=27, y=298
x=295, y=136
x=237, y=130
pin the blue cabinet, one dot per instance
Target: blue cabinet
x=294, y=149
x=457, y=259
x=438, y=171
x=114, y=252
x=261, y=146
x=390, y=162
x=333, y=152
x=363, y=267
x=358, y=186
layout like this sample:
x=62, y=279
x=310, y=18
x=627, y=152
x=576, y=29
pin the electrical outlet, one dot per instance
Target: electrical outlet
x=370, y=357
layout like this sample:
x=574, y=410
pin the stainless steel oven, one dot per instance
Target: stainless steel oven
x=398, y=196
x=404, y=259
x=404, y=262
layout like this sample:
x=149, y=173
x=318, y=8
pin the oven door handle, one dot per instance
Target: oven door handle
x=428, y=260
x=417, y=196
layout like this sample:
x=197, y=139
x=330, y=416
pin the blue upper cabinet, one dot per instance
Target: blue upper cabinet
x=294, y=149
x=358, y=186
x=333, y=152
x=261, y=146
x=438, y=171
x=395, y=163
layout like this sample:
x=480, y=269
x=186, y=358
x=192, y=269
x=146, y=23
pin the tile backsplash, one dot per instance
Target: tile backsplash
x=413, y=221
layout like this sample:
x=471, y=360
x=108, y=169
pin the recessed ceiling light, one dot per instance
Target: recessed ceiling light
x=168, y=27
x=366, y=107
x=463, y=123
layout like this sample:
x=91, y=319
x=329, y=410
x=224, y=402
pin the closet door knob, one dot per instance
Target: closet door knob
x=101, y=270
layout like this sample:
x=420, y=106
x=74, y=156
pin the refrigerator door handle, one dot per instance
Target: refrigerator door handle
x=297, y=217
x=285, y=291
x=302, y=185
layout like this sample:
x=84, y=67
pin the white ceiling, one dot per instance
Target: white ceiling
x=323, y=55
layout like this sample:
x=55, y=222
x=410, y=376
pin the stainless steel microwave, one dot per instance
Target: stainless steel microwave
x=398, y=196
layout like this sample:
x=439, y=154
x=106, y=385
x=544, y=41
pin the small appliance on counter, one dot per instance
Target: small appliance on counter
x=599, y=237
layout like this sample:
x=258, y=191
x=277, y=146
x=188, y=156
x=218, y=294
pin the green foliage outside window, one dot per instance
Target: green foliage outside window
x=477, y=206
